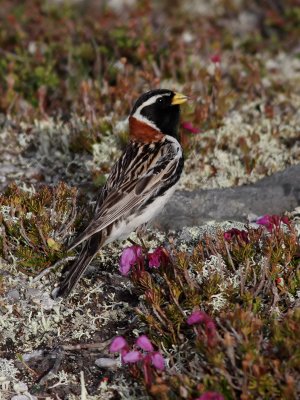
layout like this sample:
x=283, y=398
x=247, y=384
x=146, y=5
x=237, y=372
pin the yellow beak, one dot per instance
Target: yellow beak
x=179, y=99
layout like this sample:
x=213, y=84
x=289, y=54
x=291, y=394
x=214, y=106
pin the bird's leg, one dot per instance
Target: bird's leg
x=139, y=232
x=133, y=242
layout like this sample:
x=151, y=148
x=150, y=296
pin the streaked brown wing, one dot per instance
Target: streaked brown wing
x=130, y=194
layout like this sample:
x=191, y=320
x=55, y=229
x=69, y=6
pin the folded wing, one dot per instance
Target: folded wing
x=131, y=192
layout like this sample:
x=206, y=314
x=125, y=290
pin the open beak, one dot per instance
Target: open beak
x=179, y=99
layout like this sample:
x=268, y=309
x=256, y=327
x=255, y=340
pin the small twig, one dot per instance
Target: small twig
x=12, y=103
x=254, y=277
x=47, y=270
x=136, y=244
x=24, y=235
x=276, y=297
x=4, y=243
x=262, y=280
x=65, y=229
x=229, y=256
x=42, y=236
x=87, y=346
x=172, y=295
x=53, y=205
x=82, y=385
x=32, y=371
x=243, y=276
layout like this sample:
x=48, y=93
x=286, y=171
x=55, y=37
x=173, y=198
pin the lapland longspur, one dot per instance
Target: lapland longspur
x=140, y=183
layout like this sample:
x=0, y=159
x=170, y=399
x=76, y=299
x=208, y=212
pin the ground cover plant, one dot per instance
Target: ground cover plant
x=193, y=314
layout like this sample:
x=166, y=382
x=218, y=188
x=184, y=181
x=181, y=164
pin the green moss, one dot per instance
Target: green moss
x=34, y=225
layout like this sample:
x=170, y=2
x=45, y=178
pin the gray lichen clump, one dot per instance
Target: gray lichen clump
x=221, y=301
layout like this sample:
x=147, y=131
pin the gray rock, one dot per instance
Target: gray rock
x=272, y=195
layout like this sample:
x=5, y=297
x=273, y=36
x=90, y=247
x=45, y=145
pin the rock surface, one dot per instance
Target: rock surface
x=272, y=195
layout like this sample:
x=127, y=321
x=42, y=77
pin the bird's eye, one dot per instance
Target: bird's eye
x=159, y=100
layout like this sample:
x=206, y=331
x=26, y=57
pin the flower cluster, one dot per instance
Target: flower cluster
x=133, y=255
x=241, y=235
x=143, y=354
x=200, y=317
x=272, y=222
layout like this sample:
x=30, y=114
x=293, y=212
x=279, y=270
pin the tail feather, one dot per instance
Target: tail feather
x=77, y=269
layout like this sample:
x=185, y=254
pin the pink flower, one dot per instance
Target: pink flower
x=285, y=220
x=215, y=58
x=272, y=221
x=189, y=127
x=266, y=222
x=210, y=396
x=130, y=256
x=118, y=344
x=158, y=361
x=157, y=258
x=146, y=360
x=197, y=317
x=200, y=317
x=144, y=343
x=132, y=357
x=234, y=232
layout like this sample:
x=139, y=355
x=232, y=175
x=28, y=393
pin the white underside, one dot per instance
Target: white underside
x=124, y=228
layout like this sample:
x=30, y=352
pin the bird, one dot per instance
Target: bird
x=140, y=183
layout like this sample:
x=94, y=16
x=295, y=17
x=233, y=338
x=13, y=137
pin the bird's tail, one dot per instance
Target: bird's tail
x=76, y=270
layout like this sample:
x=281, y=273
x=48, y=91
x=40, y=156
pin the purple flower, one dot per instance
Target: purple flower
x=190, y=128
x=158, y=361
x=272, y=221
x=265, y=221
x=146, y=360
x=234, y=232
x=197, y=317
x=130, y=256
x=132, y=357
x=200, y=317
x=144, y=343
x=157, y=258
x=118, y=344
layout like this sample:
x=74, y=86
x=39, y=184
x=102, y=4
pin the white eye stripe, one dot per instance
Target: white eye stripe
x=137, y=114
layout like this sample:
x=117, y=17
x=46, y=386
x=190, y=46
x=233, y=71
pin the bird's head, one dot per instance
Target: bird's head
x=155, y=113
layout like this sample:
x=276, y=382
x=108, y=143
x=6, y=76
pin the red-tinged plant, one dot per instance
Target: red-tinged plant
x=158, y=257
x=236, y=233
